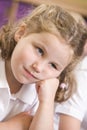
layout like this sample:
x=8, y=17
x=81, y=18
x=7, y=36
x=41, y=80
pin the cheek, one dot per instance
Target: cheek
x=53, y=73
x=57, y=73
x=26, y=57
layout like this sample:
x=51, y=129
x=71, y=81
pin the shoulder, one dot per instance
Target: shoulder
x=75, y=106
x=79, y=98
x=81, y=77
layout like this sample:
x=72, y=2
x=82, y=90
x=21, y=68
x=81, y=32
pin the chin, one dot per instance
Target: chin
x=26, y=81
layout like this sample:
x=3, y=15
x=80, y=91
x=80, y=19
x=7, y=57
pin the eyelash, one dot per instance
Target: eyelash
x=40, y=51
x=53, y=65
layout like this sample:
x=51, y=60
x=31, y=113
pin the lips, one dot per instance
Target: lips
x=29, y=74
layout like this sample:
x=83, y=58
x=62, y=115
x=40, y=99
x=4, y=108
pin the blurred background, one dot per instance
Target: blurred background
x=11, y=10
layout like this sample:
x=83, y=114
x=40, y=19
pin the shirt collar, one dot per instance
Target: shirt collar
x=27, y=93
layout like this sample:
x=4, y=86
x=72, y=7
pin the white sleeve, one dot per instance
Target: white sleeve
x=76, y=106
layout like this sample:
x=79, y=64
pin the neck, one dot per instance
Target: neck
x=14, y=85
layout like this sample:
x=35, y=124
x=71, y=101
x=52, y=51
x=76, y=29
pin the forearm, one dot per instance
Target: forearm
x=43, y=119
x=7, y=126
x=10, y=126
x=3, y=126
x=20, y=121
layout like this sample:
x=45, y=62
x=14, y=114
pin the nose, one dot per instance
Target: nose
x=38, y=67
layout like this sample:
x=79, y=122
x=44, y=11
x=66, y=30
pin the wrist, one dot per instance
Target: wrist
x=46, y=103
x=47, y=100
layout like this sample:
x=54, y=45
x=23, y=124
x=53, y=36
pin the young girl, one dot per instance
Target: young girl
x=40, y=51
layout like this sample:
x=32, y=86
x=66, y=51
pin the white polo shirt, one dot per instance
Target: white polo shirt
x=76, y=106
x=25, y=100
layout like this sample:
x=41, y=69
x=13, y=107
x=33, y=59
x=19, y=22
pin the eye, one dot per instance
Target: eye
x=40, y=51
x=53, y=65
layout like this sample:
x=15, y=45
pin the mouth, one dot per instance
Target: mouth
x=29, y=74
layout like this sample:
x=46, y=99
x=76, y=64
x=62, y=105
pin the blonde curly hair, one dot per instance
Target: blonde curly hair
x=55, y=20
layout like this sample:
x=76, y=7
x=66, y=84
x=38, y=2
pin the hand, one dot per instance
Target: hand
x=21, y=121
x=47, y=89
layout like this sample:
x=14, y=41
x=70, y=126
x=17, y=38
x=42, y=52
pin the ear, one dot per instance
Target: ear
x=20, y=32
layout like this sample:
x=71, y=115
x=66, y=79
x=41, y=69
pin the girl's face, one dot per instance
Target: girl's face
x=39, y=56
